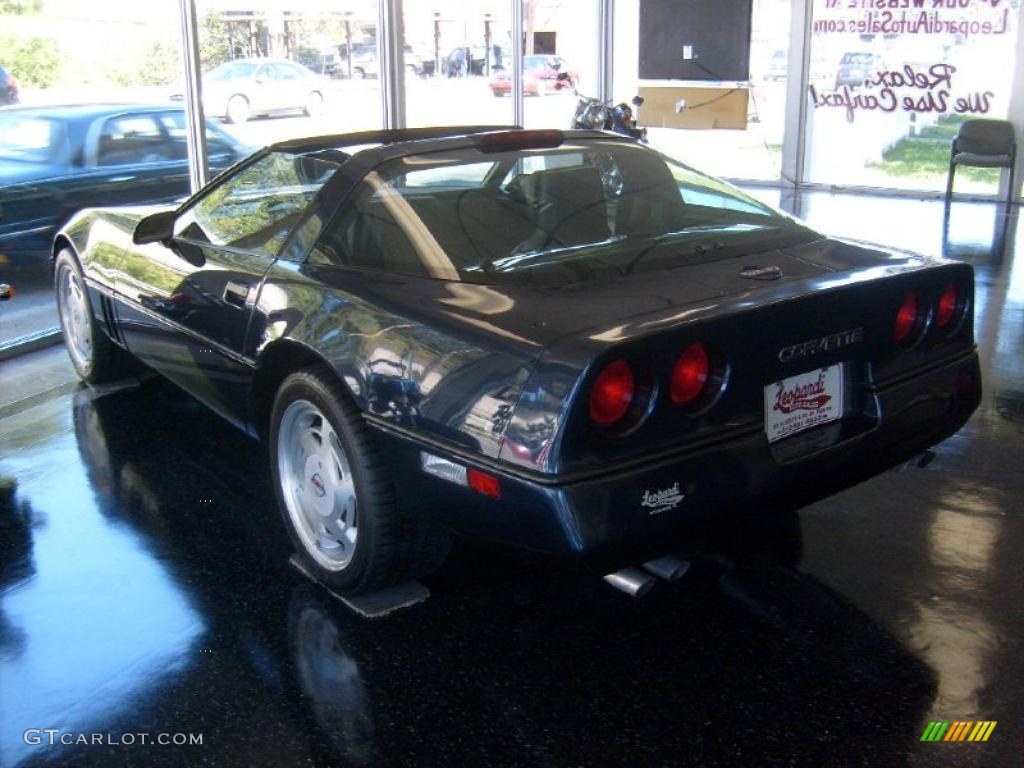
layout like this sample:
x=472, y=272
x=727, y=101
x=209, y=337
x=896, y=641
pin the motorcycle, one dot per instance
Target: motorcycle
x=595, y=114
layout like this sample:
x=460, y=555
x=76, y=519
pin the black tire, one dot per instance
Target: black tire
x=389, y=547
x=105, y=361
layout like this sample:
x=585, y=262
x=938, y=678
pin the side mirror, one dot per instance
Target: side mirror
x=638, y=101
x=155, y=228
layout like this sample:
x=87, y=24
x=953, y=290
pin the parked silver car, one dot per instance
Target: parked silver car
x=242, y=88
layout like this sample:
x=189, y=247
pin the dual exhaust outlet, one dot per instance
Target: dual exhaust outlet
x=637, y=582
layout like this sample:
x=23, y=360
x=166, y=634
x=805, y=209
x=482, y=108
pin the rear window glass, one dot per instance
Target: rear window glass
x=579, y=212
x=31, y=139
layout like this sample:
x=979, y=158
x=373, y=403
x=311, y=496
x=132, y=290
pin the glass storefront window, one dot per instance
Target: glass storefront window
x=562, y=37
x=458, y=56
x=728, y=127
x=274, y=71
x=84, y=100
x=892, y=81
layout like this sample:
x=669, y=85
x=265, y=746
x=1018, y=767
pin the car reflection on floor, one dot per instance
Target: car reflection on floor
x=92, y=623
x=510, y=662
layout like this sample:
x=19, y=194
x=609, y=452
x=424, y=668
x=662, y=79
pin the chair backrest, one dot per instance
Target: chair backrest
x=985, y=137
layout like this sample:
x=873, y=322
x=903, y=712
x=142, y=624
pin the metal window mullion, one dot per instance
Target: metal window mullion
x=518, y=105
x=391, y=63
x=794, y=137
x=606, y=50
x=1016, y=113
x=195, y=119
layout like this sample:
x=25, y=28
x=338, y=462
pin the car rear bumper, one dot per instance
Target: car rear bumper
x=629, y=514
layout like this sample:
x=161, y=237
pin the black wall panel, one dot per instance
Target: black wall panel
x=717, y=30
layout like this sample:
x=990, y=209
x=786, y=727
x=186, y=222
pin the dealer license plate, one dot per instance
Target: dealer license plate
x=803, y=401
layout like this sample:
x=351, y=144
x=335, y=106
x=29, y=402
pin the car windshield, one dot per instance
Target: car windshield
x=233, y=70
x=586, y=210
x=29, y=139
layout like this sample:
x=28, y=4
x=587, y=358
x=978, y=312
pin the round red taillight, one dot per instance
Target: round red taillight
x=690, y=375
x=906, y=319
x=612, y=393
x=948, y=302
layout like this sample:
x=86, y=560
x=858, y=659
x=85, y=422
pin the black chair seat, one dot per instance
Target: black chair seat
x=981, y=161
x=983, y=144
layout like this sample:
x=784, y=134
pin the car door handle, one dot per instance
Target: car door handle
x=236, y=293
x=117, y=179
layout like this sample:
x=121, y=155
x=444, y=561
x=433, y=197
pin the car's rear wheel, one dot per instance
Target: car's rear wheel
x=238, y=109
x=95, y=357
x=335, y=495
x=314, y=104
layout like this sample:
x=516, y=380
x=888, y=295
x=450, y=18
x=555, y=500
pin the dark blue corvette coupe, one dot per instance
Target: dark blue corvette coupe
x=558, y=339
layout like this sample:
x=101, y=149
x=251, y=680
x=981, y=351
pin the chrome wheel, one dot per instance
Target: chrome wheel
x=74, y=318
x=317, y=485
x=314, y=104
x=237, y=110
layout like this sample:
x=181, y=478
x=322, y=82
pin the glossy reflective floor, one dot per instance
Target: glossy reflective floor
x=144, y=588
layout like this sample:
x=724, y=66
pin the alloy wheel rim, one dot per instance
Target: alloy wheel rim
x=74, y=318
x=317, y=485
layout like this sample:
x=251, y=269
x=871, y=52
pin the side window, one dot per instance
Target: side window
x=132, y=139
x=256, y=208
x=287, y=72
x=174, y=124
x=267, y=72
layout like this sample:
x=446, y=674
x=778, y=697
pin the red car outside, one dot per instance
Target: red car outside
x=540, y=76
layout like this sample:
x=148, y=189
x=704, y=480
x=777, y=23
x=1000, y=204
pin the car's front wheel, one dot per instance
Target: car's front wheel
x=314, y=104
x=95, y=357
x=238, y=109
x=336, y=496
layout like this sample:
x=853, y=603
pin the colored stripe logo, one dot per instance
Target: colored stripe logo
x=959, y=730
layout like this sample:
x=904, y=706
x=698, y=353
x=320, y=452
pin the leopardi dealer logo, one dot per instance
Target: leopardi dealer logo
x=660, y=501
x=803, y=397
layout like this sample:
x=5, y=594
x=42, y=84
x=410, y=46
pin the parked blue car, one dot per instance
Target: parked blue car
x=55, y=161
x=8, y=88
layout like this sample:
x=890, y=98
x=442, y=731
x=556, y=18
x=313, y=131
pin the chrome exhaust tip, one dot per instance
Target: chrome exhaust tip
x=632, y=581
x=669, y=568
